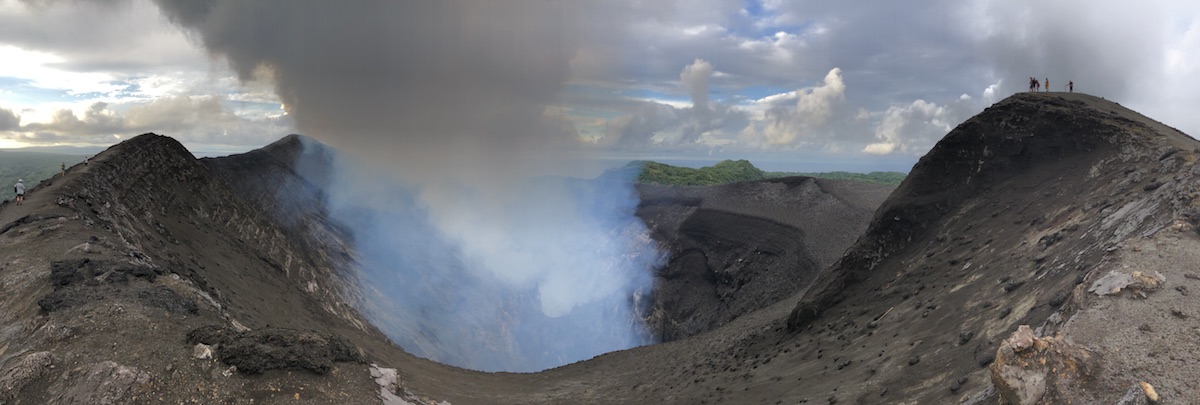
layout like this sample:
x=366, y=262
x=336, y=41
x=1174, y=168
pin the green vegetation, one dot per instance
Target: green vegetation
x=892, y=178
x=729, y=171
x=31, y=166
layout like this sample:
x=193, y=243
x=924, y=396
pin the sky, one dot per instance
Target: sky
x=546, y=86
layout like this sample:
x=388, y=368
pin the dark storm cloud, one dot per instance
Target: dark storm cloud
x=98, y=36
x=9, y=120
x=420, y=82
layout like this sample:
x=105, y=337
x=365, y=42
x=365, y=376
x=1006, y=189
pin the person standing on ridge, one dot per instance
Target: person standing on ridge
x=1047, y=84
x=20, y=190
x=1071, y=86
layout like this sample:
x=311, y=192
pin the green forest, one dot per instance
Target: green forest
x=729, y=171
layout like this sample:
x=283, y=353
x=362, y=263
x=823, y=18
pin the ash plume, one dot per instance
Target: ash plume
x=443, y=106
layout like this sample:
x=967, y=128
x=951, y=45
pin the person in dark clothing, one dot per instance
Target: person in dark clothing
x=1071, y=86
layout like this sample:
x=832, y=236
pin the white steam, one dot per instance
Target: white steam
x=535, y=275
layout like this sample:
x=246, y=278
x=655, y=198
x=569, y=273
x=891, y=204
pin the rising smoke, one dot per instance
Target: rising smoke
x=550, y=272
x=442, y=105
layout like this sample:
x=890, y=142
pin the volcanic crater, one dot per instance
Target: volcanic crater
x=149, y=276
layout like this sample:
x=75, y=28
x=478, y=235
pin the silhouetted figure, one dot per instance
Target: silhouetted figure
x=1047, y=84
x=20, y=190
x=1071, y=86
x=64, y=168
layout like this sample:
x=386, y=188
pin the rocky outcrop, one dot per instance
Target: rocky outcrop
x=1035, y=370
x=256, y=351
x=29, y=368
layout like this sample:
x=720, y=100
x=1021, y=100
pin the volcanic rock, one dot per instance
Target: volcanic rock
x=1033, y=370
x=29, y=368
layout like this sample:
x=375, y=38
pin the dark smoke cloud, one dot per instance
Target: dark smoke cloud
x=475, y=264
x=413, y=82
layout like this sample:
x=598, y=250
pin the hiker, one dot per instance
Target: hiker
x=20, y=189
x=1047, y=84
x=1071, y=86
x=1030, y=84
x=64, y=168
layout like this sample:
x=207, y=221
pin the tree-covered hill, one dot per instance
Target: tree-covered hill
x=729, y=171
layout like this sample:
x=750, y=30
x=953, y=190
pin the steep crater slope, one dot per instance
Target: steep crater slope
x=739, y=247
x=1005, y=222
x=111, y=273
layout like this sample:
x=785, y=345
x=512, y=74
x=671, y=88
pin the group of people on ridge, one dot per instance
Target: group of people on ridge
x=19, y=188
x=1035, y=85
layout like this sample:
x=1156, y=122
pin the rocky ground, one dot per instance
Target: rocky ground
x=1065, y=213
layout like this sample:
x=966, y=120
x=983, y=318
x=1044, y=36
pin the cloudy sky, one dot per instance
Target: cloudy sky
x=526, y=85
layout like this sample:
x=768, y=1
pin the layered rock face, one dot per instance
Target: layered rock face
x=287, y=182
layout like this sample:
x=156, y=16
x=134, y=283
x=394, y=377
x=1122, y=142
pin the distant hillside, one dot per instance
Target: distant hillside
x=31, y=166
x=890, y=178
x=727, y=171
x=730, y=171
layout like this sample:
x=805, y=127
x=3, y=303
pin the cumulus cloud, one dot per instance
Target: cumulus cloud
x=916, y=127
x=653, y=125
x=94, y=72
x=695, y=78
x=797, y=115
x=9, y=120
x=193, y=119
